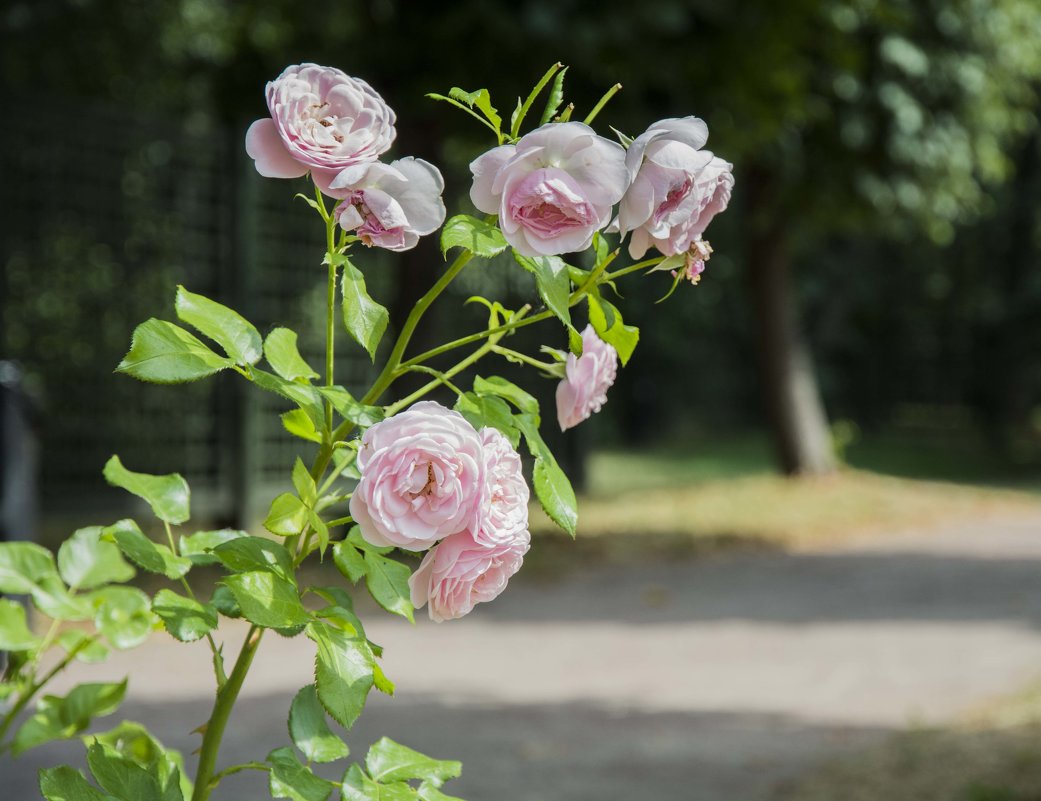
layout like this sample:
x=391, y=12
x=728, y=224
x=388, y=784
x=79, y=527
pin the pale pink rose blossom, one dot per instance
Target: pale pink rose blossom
x=390, y=205
x=505, y=515
x=583, y=391
x=552, y=190
x=677, y=188
x=460, y=573
x=423, y=477
x=322, y=120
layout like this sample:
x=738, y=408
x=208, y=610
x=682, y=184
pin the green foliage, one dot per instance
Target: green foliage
x=233, y=332
x=164, y=353
x=268, y=600
x=125, y=779
x=387, y=581
x=186, y=620
x=289, y=779
x=343, y=671
x=507, y=390
x=351, y=410
x=14, y=630
x=387, y=761
x=247, y=554
x=303, y=395
x=607, y=322
x=522, y=108
x=29, y=569
x=199, y=546
x=167, y=495
x=552, y=487
x=86, y=647
x=60, y=718
x=67, y=784
x=553, y=283
x=556, y=97
x=151, y=556
x=364, y=318
x=123, y=616
x=281, y=353
x=479, y=237
x=488, y=411
x=309, y=731
x=135, y=743
x=86, y=561
x=287, y=516
x=349, y=561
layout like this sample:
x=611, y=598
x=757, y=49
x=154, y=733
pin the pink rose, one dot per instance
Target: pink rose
x=505, y=515
x=460, y=573
x=587, y=379
x=390, y=205
x=552, y=190
x=321, y=120
x=677, y=188
x=423, y=477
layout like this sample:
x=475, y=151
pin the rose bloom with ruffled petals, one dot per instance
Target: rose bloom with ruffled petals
x=583, y=391
x=322, y=120
x=423, y=478
x=505, y=515
x=461, y=573
x=677, y=188
x=552, y=190
x=390, y=205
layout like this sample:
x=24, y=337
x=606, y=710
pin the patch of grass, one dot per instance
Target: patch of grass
x=991, y=755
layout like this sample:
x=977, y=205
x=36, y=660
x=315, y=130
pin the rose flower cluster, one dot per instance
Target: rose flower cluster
x=428, y=476
x=429, y=479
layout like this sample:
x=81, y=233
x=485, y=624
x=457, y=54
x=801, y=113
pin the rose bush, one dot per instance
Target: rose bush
x=406, y=474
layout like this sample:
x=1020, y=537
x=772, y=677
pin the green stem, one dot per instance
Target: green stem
x=510, y=353
x=603, y=102
x=330, y=320
x=222, y=707
x=237, y=769
x=218, y=660
x=634, y=267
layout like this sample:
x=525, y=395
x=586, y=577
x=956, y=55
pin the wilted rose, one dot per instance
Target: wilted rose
x=390, y=205
x=677, y=188
x=321, y=120
x=423, y=477
x=552, y=190
x=460, y=573
x=587, y=378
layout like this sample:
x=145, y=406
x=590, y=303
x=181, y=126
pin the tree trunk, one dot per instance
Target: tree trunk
x=788, y=382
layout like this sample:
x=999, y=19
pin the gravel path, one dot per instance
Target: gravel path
x=718, y=679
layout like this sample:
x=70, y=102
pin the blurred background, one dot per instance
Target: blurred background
x=860, y=357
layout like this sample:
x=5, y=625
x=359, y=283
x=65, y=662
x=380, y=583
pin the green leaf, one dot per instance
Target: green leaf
x=249, y=554
x=123, y=616
x=350, y=409
x=135, y=743
x=303, y=483
x=67, y=784
x=14, y=630
x=480, y=98
x=522, y=112
x=223, y=600
x=364, y=318
x=199, y=546
x=167, y=495
x=430, y=792
x=507, y=390
x=388, y=761
x=59, y=718
x=152, y=556
x=185, y=619
x=229, y=329
x=348, y=561
x=343, y=672
x=299, y=424
x=86, y=561
x=164, y=353
x=28, y=569
x=552, y=487
x=282, y=354
x=310, y=732
x=607, y=322
x=121, y=776
x=287, y=516
x=88, y=649
x=555, y=494
x=487, y=410
x=387, y=580
x=479, y=237
x=553, y=282
x=355, y=538
x=267, y=600
x=303, y=395
x=289, y=779
x=556, y=97
x=321, y=529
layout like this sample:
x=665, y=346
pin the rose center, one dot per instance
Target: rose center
x=428, y=488
x=677, y=194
